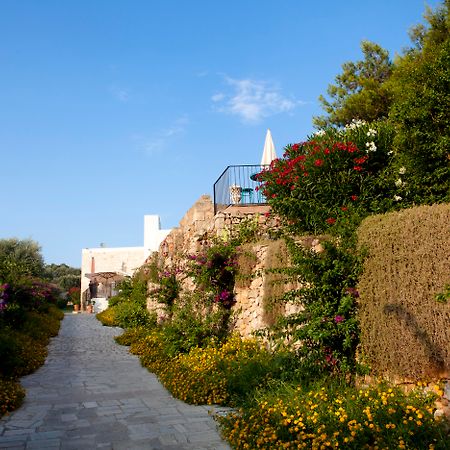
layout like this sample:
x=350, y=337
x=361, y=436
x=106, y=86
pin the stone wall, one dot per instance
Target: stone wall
x=199, y=224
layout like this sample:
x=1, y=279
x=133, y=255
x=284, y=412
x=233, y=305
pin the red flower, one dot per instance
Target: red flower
x=327, y=151
x=318, y=162
x=344, y=208
x=357, y=168
x=330, y=221
x=295, y=147
x=354, y=197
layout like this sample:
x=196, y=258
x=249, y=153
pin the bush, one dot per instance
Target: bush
x=193, y=324
x=129, y=314
x=151, y=351
x=23, y=351
x=11, y=395
x=336, y=416
x=216, y=374
x=132, y=335
x=404, y=330
x=321, y=182
x=108, y=317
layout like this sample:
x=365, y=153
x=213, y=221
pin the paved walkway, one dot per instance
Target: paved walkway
x=91, y=393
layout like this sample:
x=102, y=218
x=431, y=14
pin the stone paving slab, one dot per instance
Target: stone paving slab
x=91, y=393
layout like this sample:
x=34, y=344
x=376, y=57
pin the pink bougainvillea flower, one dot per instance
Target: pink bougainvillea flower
x=338, y=319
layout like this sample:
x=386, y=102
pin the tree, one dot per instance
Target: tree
x=420, y=87
x=360, y=91
x=20, y=258
x=64, y=276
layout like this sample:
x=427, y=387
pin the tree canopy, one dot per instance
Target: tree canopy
x=359, y=91
x=20, y=258
x=64, y=276
x=420, y=87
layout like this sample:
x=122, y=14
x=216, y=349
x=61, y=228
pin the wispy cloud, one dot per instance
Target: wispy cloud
x=253, y=100
x=119, y=93
x=160, y=140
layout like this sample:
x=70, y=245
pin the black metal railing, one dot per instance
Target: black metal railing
x=238, y=186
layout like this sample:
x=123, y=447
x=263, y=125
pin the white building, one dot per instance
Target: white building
x=102, y=267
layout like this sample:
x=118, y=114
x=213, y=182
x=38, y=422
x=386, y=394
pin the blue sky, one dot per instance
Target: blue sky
x=111, y=109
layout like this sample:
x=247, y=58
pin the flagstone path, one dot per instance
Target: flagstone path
x=91, y=393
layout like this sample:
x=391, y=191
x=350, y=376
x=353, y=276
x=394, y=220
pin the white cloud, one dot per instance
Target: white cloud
x=159, y=141
x=218, y=97
x=253, y=100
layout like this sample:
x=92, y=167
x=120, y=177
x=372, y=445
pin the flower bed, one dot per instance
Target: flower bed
x=342, y=417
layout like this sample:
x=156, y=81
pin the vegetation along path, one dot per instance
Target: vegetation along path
x=91, y=393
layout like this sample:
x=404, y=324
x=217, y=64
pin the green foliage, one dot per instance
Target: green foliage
x=129, y=308
x=193, y=324
x=62, y=275
x=131, y=314
x=421, y=95
x=325, y=332
x=360, y=91
x=133, y=290
x=169, y=289
x=19, y=258
x=444, y=296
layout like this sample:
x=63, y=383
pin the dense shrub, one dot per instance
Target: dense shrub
x=194, y=324
x=215, y=374
x=108, y=317
x=331, y=176
x=151, y=351
x=337, y=417
x=11, y=395
x=23, y=350
x=131, y=314
x=132, y=335
x=405, y=331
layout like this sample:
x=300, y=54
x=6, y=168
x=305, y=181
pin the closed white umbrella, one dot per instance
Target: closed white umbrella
x=269, y=150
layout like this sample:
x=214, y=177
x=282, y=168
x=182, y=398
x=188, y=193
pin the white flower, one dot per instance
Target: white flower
x=402, y=170
x=355, y=123
x=399, y=183
x=371, y=147
x=371, y=132
x=320, y=133
x=390, y=152
x=397, y=198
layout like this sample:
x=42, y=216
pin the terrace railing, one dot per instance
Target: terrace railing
x=237, y=185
